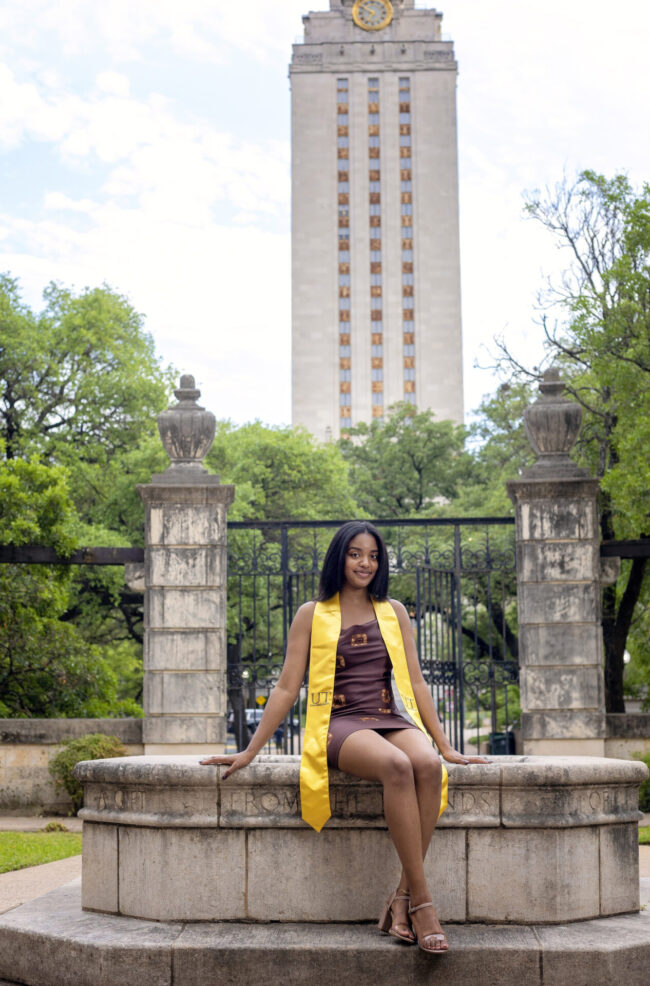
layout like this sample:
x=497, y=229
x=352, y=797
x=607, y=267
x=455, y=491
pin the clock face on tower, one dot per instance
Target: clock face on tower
x=372, y=15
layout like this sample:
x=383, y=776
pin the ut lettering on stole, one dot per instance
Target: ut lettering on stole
x=319, y=698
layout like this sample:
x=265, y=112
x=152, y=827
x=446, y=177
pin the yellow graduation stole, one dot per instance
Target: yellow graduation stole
x=325, y=632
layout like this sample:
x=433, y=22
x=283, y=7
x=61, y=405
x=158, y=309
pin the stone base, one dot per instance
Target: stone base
x=184, y=749
x=524, y=839
x=52, y=942
x=564, y=747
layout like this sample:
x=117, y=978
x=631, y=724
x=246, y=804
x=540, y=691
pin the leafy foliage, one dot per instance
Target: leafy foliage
x=55, y=827
x=92, y=746
x=80, y=387
x=280, y=473
x=500, y=450
x=406, y=463
x=47, y=668
x=35, y=505
x=77, y=380
x=596, y=320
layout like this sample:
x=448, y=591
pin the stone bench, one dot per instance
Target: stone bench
x=524, y=840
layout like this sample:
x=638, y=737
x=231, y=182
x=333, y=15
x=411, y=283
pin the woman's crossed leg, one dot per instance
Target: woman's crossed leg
x=410, y=772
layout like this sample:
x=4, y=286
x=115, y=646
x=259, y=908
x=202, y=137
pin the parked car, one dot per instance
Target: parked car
x=253, y=717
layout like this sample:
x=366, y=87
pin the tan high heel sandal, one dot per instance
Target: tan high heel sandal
x=386, y=925
x=422, y=942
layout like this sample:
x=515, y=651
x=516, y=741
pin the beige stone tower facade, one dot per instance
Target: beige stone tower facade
x=376, y=274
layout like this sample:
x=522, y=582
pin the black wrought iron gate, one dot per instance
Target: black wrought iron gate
x=457, y=580
x=464, y=623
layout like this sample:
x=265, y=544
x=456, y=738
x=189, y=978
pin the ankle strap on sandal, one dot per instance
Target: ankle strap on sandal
x=418, y=907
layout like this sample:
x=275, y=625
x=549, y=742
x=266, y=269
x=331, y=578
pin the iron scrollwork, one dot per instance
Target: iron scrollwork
x=478, y=675
x=439, y=672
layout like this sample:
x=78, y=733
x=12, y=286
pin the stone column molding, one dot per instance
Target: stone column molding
x=558, y=586
x=185, y=588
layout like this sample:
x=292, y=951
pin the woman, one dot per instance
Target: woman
x=353, y=723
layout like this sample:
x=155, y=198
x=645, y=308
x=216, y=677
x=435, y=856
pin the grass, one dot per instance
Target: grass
x=644, y=835
x=20, y=849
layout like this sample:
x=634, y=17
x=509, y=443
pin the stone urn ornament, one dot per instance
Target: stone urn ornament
x=552, y=425
x=187, y=432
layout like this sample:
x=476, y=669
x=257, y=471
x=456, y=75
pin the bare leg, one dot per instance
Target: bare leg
x=427, y=771
x=367, y=754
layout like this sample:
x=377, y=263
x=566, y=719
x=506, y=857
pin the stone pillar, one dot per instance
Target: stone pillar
x=558, y=586
x=185, y=588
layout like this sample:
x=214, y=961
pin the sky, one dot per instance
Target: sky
x=145, y=145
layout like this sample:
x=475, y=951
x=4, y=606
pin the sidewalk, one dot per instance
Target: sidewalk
x=21, y=886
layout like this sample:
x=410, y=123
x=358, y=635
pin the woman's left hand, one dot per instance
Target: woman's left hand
x=453, y=756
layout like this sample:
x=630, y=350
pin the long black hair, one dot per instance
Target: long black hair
x=332, y=575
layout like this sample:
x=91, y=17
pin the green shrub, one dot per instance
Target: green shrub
x=644, y=790
x=93, y=746
x=55, y=827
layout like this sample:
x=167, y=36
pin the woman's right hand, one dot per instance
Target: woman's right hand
x=232, y=760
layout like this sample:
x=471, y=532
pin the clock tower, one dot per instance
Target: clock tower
x=375, y=255
x=372, y=15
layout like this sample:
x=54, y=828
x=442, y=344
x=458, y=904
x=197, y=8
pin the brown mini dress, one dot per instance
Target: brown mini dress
x=363, y=696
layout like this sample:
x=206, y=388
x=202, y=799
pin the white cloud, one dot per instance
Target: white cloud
x=171, y=166
x=190, y=222
x=115, y=83
x=63, y=203
x=126, y=29
x=215, y=297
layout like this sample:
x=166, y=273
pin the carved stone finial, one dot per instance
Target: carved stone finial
x=552, y=425
x=187, y=432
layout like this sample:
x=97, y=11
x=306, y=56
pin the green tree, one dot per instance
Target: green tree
x=596, y=321
x=47, y=668
x=80, y=387
x=406, y=463
x=281, y=473
x=79, y=381
x=499, y=450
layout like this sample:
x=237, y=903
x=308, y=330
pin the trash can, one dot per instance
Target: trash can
x=502, y=744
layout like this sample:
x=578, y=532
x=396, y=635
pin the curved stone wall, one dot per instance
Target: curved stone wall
x=525, y=839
